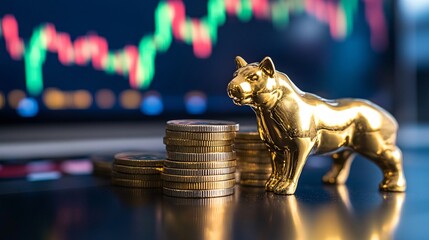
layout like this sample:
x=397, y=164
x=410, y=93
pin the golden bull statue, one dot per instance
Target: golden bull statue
x=294, y=124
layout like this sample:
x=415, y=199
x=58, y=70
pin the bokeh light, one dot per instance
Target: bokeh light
x=82, y=99
x=105, y=98
x=54, y=99
x=1, y=100
x=14, y=97
x=152, y=103
x=28, y=107
x=196, y=102
x=130, y=99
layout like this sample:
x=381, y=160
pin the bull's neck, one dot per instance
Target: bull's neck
x=285, y=89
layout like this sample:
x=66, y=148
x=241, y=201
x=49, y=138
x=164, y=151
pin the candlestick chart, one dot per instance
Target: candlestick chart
x=172, y=22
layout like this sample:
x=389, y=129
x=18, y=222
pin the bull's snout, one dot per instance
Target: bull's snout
x=233, y=90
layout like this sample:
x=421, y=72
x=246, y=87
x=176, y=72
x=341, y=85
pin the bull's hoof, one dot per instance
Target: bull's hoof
x=285, y=187
x=393, y=184
x=271, y=183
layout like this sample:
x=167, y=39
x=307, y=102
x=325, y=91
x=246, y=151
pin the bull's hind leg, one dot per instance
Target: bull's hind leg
x=387, y=156
x=393, y=174
x=340, y=169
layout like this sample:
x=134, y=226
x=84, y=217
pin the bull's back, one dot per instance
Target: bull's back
x=341, y=113
x=370, y=117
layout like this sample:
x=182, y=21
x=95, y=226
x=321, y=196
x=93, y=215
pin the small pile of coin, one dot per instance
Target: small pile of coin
x=200, y=158
x=102, y=164
x=138, y=169
x=253, y=158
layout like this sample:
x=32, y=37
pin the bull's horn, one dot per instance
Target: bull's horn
x=267, y=66
x=240, y=62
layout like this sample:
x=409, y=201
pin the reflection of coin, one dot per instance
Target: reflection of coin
x=201, y=157
x=145, y=177
x=186, y=149
x=198, y=172
x=253, y=183
x=254, y=176
x=202, y=165
x=206, y=178
x=136, y=183
x=140, y=159
x=136, y=170
x=197, y=125
x=206, y=202
x=197, y=143
x=197, y=193
x=205, y=136
x=200, y=185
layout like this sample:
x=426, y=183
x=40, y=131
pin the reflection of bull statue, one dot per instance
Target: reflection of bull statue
x=295, y=124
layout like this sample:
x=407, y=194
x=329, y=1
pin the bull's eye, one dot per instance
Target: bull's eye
x=235, y=74
x=253, y=77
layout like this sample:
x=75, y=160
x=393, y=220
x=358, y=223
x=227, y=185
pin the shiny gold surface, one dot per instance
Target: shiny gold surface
x=295, y=124
x=338, y=220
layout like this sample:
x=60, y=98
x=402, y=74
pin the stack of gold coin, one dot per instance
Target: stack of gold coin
x=102, y=164
x=138, y=169
x=253, y=158
x=200, y=158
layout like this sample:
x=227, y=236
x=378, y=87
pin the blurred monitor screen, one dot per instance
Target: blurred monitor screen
x=117, y=60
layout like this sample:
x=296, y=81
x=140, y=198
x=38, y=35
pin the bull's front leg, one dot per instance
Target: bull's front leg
x=278, y=163
x=299, y=151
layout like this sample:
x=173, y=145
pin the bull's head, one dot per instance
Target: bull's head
x=254, y=84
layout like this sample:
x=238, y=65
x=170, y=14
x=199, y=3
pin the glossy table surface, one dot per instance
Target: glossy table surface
x=86, y=207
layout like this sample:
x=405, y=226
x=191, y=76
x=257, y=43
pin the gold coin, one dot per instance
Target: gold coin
x=206, y=178
x=259, y=170
x=254, y=176
x=101, y=168
x=251, y=146
x=252, y=153
x=197, y=143
x=253, y=183
x=197, y=193
x=136, y=170
x=200, y=185
x=201, y=125
x=101, y=173
x=201, y=157
x=252, y=165
x=143, y=177
x=248, y=132
x=136, y=183
x=261, y=160
x=198, y=172
x=140, y=159
x=245, y=141
x=205, y=136
x=104, y=165
x=201, y=165
x=186, y=149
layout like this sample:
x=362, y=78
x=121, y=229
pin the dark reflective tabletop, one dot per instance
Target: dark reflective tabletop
x=86, y=207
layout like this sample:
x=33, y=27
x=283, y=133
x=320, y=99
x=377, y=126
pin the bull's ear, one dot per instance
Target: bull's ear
x=267, y=66
x=240, y=62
